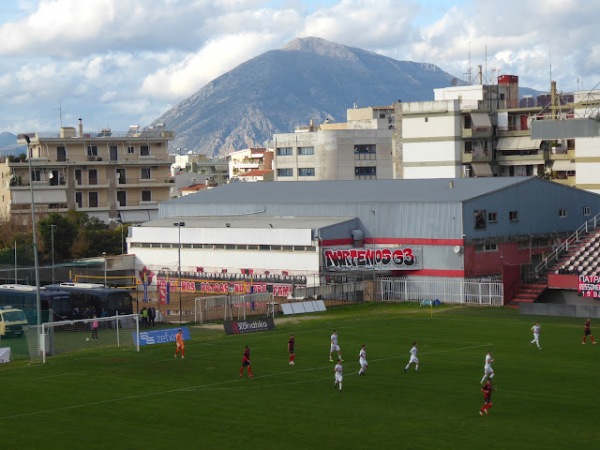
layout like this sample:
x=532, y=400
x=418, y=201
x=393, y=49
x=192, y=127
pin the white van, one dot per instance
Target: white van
x=12, y=321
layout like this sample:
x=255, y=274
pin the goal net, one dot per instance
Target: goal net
x=70, y=336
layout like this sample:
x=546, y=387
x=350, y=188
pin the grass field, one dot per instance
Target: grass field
x=98, y=399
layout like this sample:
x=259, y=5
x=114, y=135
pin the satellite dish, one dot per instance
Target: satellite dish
x=458, y=249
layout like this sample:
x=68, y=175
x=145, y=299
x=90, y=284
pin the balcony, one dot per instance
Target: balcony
x=521, y=157
x=478, y=156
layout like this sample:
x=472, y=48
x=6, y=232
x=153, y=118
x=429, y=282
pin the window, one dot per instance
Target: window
x=306, y=172
x=36, y=175
x=468, y=147
x=426, y=119
x=144, y=150
x=93, y=199
x=482, y=248
x=492, y=217
x=587, y=211
x=364, y=148
x=146, y=196
x=79, y=199
x=130, y=150
x=479, y=217
x=93, y=176
x=306, y=151
x=122, y=198
x=61, y=153
x=145, y=173
x=284, y=151
x=365, y=171
x=562, y=212
x=92, y=150
x=78, y=177
x=513, y=216
x=285, y=172
x=113, y=152
x=121, y=178
x=467, y=121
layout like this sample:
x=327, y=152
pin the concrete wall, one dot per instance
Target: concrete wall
x=562, y=303
x=550, y=309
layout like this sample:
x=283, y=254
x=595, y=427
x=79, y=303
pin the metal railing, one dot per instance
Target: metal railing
x=447, y=290
x=564, y=246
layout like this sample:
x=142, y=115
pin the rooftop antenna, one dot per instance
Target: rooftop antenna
x=487, y=74
x=468, y=79
x=550, y=53
x=59, y=109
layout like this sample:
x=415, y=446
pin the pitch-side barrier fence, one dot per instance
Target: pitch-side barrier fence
x=461, y=291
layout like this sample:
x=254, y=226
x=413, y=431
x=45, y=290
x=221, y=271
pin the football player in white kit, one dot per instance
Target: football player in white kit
x=334, y=347
x=413, y=358
x=488, y=372
x=535, y=329
x=338, y=374
x=362, y=359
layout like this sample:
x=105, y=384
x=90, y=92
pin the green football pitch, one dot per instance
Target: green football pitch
x=110, y=398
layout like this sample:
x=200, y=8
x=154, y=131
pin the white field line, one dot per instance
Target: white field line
x=216, y=386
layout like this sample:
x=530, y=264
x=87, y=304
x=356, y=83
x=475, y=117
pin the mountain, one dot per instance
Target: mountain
x=281, y=89
x=8, y=145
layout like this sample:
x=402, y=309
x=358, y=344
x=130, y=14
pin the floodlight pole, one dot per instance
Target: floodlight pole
x=179, y=225
x=122, y=238
x=52, y=227
x=38, y=303
x=104, y=256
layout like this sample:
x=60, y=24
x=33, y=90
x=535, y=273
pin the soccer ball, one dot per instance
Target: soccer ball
x=87, y=339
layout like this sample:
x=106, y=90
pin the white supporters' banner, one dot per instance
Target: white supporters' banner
x=4, y=354
x=589, y=286
x=380, y=258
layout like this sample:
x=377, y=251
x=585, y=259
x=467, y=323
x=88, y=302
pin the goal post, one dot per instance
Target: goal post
x=68, y=336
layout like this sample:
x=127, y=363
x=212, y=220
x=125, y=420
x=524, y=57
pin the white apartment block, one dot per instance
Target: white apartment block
x=250, y=159
x=358, y=149
x=108, y=175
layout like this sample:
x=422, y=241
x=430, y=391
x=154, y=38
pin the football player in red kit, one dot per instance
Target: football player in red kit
x=291, y=344
x=487, y=389
x=246, y=362
x=587, y=331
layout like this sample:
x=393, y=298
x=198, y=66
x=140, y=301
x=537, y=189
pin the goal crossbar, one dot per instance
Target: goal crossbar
x=73, y=335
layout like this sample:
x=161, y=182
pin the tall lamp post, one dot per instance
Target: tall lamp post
x=179, y=225
x=38, y=303
x=104, y=256
x=52, y=227
x=122, y=239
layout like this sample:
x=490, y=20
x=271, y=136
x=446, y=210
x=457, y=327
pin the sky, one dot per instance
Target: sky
x=116, y=63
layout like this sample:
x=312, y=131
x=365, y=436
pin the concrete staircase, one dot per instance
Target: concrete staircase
x=529, y=293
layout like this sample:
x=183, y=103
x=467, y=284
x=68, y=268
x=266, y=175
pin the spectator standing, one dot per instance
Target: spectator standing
x=151, y=316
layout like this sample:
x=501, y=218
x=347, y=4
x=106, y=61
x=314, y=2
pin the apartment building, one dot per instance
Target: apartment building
x=358, y=149
x=248, y=160
x=108, y=175
x=452, y=136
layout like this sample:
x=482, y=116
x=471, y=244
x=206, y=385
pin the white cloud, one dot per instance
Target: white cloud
x=128, y=61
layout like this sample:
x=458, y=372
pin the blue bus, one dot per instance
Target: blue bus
x=22, y=296
x=89, y=299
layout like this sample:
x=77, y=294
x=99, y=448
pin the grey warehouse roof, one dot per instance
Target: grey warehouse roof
x=421, y=191
x=253, y=222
